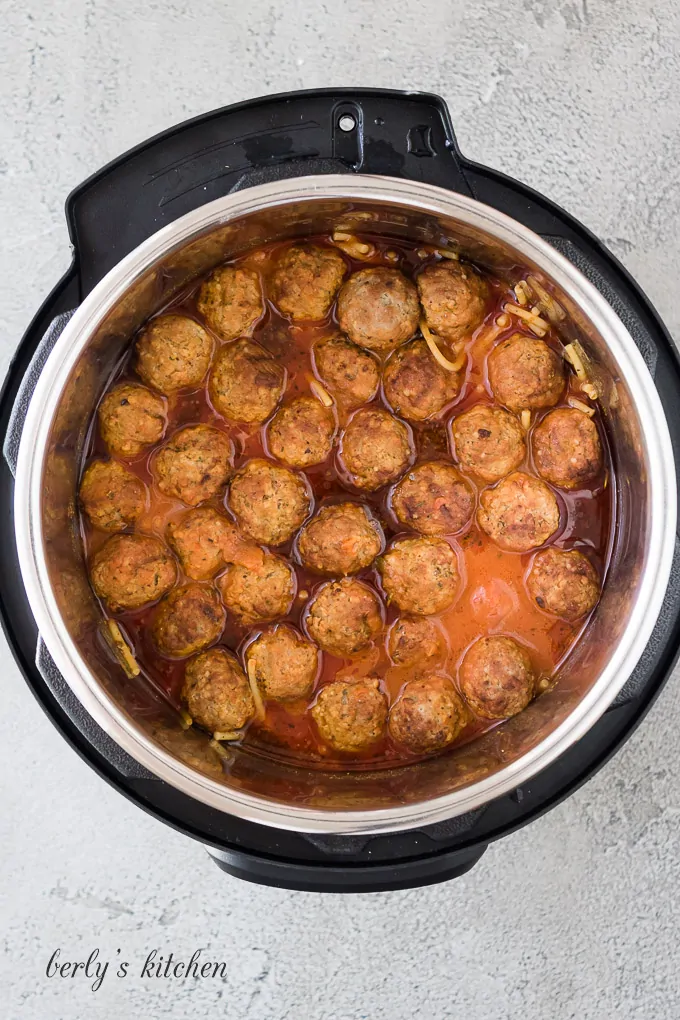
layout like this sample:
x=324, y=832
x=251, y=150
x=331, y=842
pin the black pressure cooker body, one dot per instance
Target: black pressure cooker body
x=407, y=135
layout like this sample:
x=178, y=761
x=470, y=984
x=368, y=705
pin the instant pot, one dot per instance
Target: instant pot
x=168, y=211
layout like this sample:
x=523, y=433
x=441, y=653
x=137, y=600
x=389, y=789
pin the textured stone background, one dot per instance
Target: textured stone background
x=576, y=916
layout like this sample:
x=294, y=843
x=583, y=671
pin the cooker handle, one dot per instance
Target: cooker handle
x=368, y=131
x=28, y=383
x=347, y=878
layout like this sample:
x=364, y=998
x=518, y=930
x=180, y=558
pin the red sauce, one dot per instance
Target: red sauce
x=493, y=597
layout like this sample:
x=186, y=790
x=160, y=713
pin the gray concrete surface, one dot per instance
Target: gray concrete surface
x=574, y=917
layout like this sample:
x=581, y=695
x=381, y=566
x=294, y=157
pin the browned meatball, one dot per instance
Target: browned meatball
x=341, y=539
x=488, y=442
x=246, y=383
x=344, y=617
x=260, y=593
x=230, y=301
x=375, y=448
x=415, y=641
x=416, y=385
x=283, y=663
x=454, y=298
x=269, y=502
x=351, y=716
x=187, y=620
x=305, y=281
x=420, y=575
x=433, y=499
x=131, y=417
x=173, y=353
x=351, y=373
x=216, y=692
x=567, y=448
x=563, y=583
x=378, y=308
x=130, y=571
x=520, y=513
x=497, y=678
x=111, y=496
x=195, y=464
x=301, y=433
x=205, y=541
x=428, y=715
x=525, y=374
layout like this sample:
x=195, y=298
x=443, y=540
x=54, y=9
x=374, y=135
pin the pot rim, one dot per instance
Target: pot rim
x=28, y=490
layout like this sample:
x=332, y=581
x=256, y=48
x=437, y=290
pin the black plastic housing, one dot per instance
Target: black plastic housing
x=403, y=135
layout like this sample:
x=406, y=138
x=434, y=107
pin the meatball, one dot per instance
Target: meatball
x=433, y=499
x=187, y=620
x=131, y=417
x=205, y=541
x=378, y=308
x=260, y=593
x=415, y=640
x=195, y=464
x=112, y=497
x=351, y=716
x=130, y=571
x=246, y=383
x=283, y=663
x=415, y=383
x=230, y=301
x=497, y=678
x=301, y=433
x=488, y=442
x=344, y=617
x=173, y=353
x=454, y=298
x=428, y=715
x=420, y=575
x=563, y=583
x=269, y=502
x=216, y=692
x=305, y=281
x=520, y=513
x=525, y=374
x=567, y=448
x=375, y=448
x=351, y=373
x=342, y=539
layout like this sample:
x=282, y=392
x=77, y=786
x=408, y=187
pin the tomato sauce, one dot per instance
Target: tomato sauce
x=493, y=597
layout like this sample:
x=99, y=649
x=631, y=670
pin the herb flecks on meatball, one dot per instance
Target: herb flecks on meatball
x=344, y=617
x=567, y=448
x=497, y=678
x=454, y=298
x=284, y=663
x=305, y=281
x=420, y=575
x=111, y=495
x=131, y=418
x=351, y=717
x=230, y=301
x=564, y=583
x=269, y=502
x=194, y=464
x=526, y=374
x=375, y=448
x=520, y=513
x=341, y=539
x=416, y=385
x=378, y=309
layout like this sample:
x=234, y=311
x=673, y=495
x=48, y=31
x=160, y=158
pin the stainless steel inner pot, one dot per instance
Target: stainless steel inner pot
x=244, y=784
